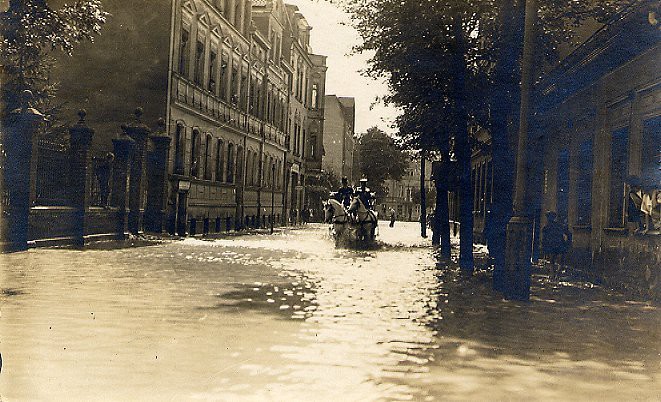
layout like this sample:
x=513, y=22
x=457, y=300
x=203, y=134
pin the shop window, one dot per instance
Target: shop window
x=584, y=184
x=562, y=182
x=618, y=171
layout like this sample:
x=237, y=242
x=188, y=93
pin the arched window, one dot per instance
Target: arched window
x=207, y=157
x=219, y=160
x=179, y=138
x=255, y=169
x=239, y=164
x=230, y=163
x=194, y=153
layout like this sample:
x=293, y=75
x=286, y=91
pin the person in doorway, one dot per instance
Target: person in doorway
x=556, y=240
x=392, y=218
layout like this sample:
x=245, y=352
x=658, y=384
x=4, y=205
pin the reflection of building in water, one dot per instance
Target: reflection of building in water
x=600, y=111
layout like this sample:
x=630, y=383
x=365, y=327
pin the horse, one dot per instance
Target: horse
x=366, y=220
x=335, y=213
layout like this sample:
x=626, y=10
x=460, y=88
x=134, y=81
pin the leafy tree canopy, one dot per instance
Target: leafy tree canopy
x=414, y=44
x=29, y=31
x=380, y=159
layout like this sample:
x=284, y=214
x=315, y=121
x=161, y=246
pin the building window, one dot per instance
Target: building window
x=199, y=63
x=584, y=184
x=255, y=169
x=212, y=71
x=618, y=171
x=235, y=86
x=562, y=181
x=230, y=163
x=179, y=138
x=237, y=14
x=195, y=149
x=651, y=153
x=207, y=157
x=487, y=196
x=315, y=96
x=313, y=147
x=238, y=177
x=244, y=91
x=183, y=52
x=219, y=160
x=224, y=71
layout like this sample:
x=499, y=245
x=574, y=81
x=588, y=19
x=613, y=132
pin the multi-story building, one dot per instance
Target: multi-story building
x=338, y=141
x=239, y=89
x=600, y=111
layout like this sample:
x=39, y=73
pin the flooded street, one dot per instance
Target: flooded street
x=290, y=318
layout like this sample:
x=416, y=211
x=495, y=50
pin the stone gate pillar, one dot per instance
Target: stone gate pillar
x=19, y=135
x=123, y=150
x=80, y=158
x=157, y=180
x=139, y=133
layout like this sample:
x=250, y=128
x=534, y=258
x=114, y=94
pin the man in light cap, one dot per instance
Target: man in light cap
x=365, y=194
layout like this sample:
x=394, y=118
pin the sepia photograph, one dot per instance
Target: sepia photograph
x=330, y=200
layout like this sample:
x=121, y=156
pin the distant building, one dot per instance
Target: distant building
x=338, y=142
x=404, y=195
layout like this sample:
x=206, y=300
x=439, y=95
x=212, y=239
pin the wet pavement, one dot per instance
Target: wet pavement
x=288, y=317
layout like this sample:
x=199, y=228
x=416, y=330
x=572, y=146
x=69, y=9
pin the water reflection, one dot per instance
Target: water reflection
x=289, y=317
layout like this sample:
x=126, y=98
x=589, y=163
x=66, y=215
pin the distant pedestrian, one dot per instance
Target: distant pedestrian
x=556, y=239
x=305, y=215
x=392, y=218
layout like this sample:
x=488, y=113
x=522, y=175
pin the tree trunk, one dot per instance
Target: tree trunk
x=463, y=152
x=504, y=105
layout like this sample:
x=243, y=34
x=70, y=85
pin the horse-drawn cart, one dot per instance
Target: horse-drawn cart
x=355, y=226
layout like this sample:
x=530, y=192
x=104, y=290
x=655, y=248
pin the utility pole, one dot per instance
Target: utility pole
x=519, y=229
x=272, y=196
x=423, y=196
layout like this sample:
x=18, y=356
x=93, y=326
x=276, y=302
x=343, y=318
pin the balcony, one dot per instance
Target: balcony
x=188, y=93
x=203, y=101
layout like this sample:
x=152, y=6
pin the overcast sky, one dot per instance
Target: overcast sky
x=330, y=38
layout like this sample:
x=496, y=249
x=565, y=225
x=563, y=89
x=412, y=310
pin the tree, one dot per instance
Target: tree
x=380, y=159
x=30, y=32
x=452, y=63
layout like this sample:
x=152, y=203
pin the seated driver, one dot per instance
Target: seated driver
x=344, y=193
x=365, y=195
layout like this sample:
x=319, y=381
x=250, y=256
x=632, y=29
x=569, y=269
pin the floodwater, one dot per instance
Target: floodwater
x=290, y=318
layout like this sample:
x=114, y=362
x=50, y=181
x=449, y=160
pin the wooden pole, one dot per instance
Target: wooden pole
x=423, y=196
